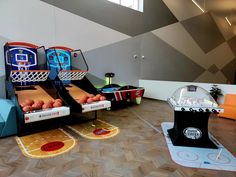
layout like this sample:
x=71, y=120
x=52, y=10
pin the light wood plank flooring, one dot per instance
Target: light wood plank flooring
x=137, y=151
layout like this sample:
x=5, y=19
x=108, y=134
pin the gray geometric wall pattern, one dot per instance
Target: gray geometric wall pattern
x=232, y=44
x=125, y=20
x=194, y=38
x=163, y=62
x=117, y=58
x=229, y=71
x=176, y=36
x=177, y=45
x=204, y=31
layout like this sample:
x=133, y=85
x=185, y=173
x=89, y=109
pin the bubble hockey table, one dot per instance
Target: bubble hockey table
x=192, y=107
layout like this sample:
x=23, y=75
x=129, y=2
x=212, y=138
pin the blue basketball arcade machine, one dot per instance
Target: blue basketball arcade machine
x=27, y=78
x=68, y=69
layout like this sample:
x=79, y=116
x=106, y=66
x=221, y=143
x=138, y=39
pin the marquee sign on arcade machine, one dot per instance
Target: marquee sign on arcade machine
x=69, y=68
x=29, y=88
x=192, y=107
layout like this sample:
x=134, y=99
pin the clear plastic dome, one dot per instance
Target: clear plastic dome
x=192, y=95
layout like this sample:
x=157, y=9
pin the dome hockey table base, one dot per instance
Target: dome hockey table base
x=191, y=129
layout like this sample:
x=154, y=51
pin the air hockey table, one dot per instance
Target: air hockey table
x=192, y=107
x=121, y=96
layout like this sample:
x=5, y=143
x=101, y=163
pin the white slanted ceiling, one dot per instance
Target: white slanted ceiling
x=43, y=24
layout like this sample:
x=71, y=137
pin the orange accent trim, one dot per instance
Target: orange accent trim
x=22, y=62
x=30, y=71
x=62, y=48
x=23, y=44
x=74, y=70
x=229, y=107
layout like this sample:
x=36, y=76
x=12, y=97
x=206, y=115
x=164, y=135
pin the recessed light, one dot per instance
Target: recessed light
x=228, y=21
x=198, y=5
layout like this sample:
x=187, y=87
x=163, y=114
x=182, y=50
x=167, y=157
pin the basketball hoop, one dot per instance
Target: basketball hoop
x=22, y=63
x=72, y=74
x=29, y=75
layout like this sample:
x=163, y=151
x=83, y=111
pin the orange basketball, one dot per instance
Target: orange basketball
x=49, y=102
x=90, y=95
x=96, y=98
x=57, y=104
x=28, y=102
x=40, y=102
x=47, y=105
x=102, y=98
x=27, y=109
x=58, y=100
x=36, y=106
x=89, y=100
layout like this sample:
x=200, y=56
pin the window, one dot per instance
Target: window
x=133, y=4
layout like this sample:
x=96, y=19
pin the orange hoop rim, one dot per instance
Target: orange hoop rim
x=73, y=71
x=22, y=62
x=30, y=71
x=23, y=44
x=62, y=48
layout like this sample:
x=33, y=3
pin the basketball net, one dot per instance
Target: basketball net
x=22, y=65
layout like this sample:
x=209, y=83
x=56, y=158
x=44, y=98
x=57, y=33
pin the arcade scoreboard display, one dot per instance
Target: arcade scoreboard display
x=192, y=107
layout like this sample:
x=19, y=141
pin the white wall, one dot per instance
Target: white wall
x=162, y=90
x=37, y=22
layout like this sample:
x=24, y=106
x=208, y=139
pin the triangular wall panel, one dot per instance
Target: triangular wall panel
x=155, y=15
x=177, y=36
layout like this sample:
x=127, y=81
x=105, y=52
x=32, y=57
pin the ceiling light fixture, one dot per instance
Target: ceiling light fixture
x=228, y=21
x=198, y=5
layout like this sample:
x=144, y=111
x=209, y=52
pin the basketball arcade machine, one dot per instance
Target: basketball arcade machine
x=68, y=69
x=25, y=79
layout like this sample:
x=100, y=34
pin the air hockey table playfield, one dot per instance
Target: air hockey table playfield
x=123, y=96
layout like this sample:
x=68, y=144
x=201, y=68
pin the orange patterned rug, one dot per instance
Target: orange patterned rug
x=96, y=129
x=46, y=144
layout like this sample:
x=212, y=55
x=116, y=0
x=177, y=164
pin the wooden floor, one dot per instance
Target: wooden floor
x=137, y=151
